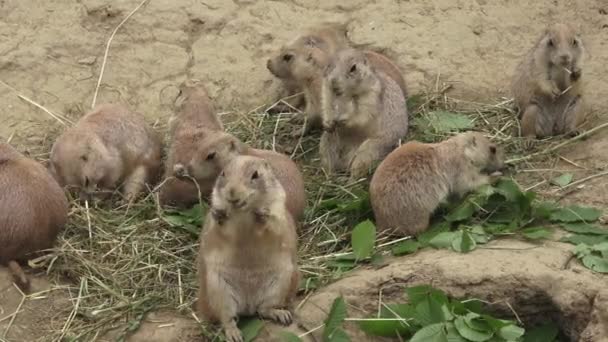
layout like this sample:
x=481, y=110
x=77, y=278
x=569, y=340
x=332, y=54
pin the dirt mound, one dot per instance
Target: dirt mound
x=511, y=274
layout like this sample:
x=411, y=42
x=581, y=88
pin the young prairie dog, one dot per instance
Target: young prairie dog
x=107, y=147
x=193, y=120
x=247, y=261
x=364, y=114
x=220, y=148
x=33, y=210
x=300, y=63
x=415, y=178
x=547, y=85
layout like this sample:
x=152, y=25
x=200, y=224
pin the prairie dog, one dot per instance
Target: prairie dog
x=247, y=261
x=364, y=114
x=107, y=147
x=220, y=148
x=193, y=120
x=300, y=63
x=547, y=85
x=415, y=178
x=33, y=209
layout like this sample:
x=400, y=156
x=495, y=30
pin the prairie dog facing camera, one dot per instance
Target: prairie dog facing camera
x=364, y=114
x=193, y=120
x=415, y=178
x=300, y=63
x=108, y=147
x=547, y=85
x=219, y=149
x=33, y=210
x=247, y=262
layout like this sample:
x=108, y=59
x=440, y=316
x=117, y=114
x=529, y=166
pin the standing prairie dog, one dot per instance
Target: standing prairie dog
x=547, y=85
x=300, y=63
x=193, y=120
x=107, y=147
x=215, y=152
x=415, y=178
x=33, y=209
x=247, y=261
x=364, y=113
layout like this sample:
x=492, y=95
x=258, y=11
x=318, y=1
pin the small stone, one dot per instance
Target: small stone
x=87, y=60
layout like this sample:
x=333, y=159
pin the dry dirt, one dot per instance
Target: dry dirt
x=52, y=52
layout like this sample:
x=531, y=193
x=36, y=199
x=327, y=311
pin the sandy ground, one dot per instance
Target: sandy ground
x=52, y=52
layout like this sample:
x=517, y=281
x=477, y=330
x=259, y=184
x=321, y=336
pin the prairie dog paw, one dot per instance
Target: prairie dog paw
x=219, y=215
x=278, y=315
x=179, y=170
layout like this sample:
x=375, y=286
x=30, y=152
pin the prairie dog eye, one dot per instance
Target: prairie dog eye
x=550, y=42
x=493, y=149
x=255, y=175
x=223, y=174
x=574, y=42
x=210, y=156
x=287, y=57
x=353, y=68
x=84, y=158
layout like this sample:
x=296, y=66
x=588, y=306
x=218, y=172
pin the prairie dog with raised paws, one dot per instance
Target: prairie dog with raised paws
x=194, y=119
x=33, y=210
x=364, y=114
x=107, y=147
x=247, y=261
x=547, y=85
x=415, y=178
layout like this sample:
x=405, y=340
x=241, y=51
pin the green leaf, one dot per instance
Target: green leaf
x=576, y=214
x=584, y=228
x=338, y=336
x=543, y=210
x=391, y=327
x=417, y=294
x=585, y=238
x=363, y=239
x=428, y=235
x=562, y=180
x=463, y=242
x=471, y=334
x=406, y=247
x=602, y=248
x=431, y=333
x=444, y=122
x=462, y=212
x=288, y=336
x=511, y=332
x=509, y=189
x=453, y=335
x=535, y=233
x=431, y=310
x=250, y=328
x=443, y=240
x=543, y=333
x=334, y=320
x=595, y=263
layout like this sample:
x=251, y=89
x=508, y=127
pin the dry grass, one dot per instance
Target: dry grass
x=122, y=262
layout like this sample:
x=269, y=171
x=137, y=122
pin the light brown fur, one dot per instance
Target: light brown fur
x=247, y=261
x=194, y=119
x=107, y=148
x=217, y=150
x=300, y=63
x=414, y=179
x=548, y=96
x=364, y=114
x=33, y=209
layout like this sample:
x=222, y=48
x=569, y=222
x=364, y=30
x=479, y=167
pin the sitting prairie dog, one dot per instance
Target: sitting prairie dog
x=218, y=150
x=415, y=178
x=107, y=147
x=247, y=261
x=547, y=85
x=300, y=63
x=364, y=114
x=33, y=210
x=193, y=120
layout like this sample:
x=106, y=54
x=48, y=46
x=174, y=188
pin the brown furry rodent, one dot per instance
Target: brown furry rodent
x=218, y=149
x=33, y=209
x=193, y=120
x=547, y=85
x=247, y=261
x=415, y=178
x=300, y=63
x=107, y=147
x=364, y=114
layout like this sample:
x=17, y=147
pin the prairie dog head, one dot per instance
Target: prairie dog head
x=481, y=152
x=188, y=88
x=562, y=46
x=213, y=154
x=7, y=152
x=349, y=74
x=82, y=160
x=299, y=59
x=246, y=183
